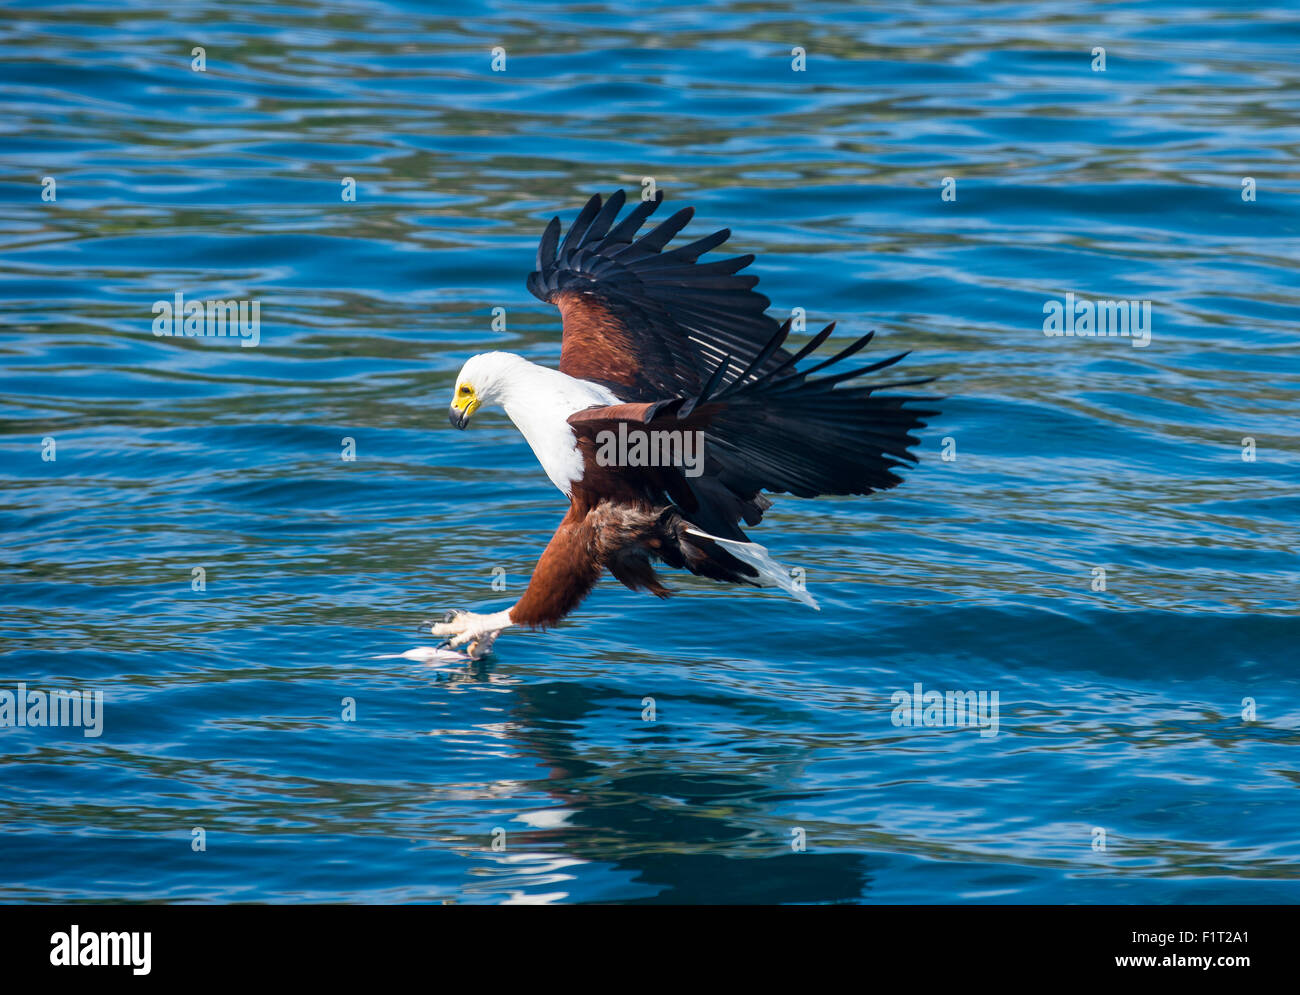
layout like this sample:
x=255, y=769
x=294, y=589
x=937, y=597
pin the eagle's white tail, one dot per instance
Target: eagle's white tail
x=757, y=557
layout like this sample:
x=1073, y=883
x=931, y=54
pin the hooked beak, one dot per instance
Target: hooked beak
x=458, y=415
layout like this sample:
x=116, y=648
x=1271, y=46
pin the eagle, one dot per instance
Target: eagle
x=676, y=405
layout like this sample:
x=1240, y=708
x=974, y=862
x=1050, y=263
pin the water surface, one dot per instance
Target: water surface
x=1121, y=711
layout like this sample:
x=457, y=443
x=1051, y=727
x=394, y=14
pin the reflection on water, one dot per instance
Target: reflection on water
x=1160, y=710
x=672, y=827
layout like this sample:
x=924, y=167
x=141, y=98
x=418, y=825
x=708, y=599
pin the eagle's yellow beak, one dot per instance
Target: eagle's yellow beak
x=463, y=404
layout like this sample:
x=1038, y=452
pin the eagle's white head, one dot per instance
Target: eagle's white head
x=489, y=378
x=538, y=399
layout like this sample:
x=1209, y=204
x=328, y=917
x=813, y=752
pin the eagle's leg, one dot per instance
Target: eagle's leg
x=476, y=633
x=565, y=573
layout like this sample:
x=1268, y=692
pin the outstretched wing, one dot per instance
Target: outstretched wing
x=780, y=430
x=655, y=323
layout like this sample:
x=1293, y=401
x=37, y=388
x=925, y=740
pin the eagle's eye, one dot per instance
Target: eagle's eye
x=464, y=388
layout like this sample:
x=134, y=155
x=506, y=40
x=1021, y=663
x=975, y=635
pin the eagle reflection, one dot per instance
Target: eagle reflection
x=672, y=823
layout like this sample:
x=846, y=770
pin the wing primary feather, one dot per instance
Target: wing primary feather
x=605, y=218
x=626, y=229
x=547, y=246
x=665, y=231
x=541, y=282
x=763, y=356
x=857, y=345
x=825, y=383
x=707, y=390
x=693, y=251
x=580, y=225
x=809, y=348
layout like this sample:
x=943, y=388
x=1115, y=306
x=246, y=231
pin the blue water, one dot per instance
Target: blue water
x=1123, y=716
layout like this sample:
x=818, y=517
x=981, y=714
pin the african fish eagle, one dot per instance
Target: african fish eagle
x=655, y=342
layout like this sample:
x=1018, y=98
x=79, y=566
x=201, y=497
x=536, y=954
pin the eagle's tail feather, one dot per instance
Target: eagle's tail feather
x=756, y=556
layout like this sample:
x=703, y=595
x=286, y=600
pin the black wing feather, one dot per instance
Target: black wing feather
x=700, y=344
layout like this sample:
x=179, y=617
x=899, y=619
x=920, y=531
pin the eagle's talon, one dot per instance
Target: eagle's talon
x=448, y=626
x=473, y=633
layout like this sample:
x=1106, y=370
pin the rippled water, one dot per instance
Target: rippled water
x=1121, y=711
